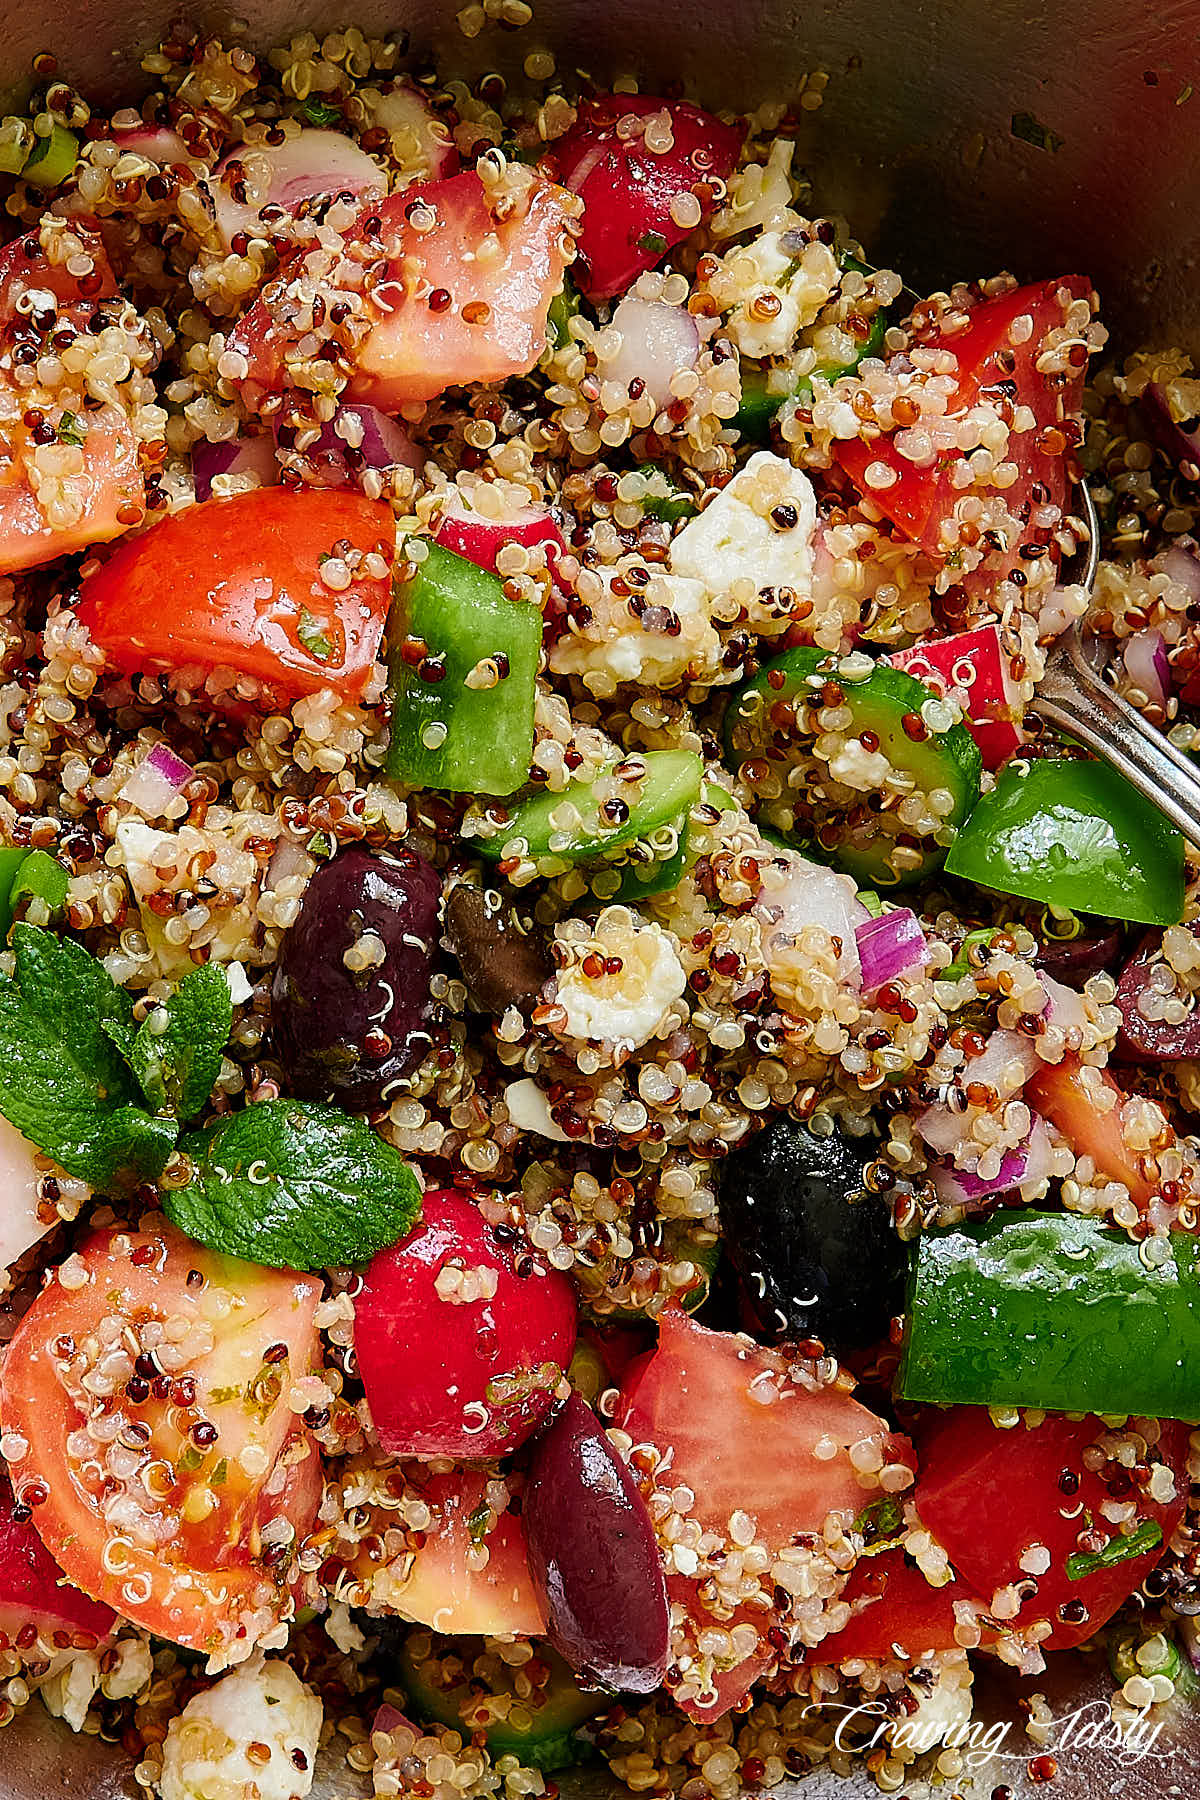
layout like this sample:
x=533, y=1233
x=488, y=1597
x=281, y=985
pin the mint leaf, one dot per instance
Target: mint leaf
x=295, y=1185
x=176, y=1054
x=67, y=1103
x=75, y=997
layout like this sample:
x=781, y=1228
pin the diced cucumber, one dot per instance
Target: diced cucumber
x=541, y=1732
x=449, y=729
x=16, y=142
x=771, y=734
x=665, y=793
x=1053, y=1310
x=640, y=878
x=763, y=393
x=52, y=158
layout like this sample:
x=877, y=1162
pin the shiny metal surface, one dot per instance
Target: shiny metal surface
x=914, y=143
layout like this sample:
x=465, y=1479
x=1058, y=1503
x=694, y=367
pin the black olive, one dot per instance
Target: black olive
x=503, y=963
x=815, y=1249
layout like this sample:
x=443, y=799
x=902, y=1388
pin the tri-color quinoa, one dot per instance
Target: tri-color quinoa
x=674, y=952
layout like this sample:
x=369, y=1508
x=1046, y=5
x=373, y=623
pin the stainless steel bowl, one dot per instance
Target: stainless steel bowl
x=915, y=144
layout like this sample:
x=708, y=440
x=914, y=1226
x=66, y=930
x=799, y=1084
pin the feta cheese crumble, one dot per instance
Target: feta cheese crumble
x=620, y=982
x=755, y=537
x=252, y=1736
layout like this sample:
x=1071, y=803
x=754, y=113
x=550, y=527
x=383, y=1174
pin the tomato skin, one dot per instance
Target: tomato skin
x=24, y=265
x=993, y=710
x=904, y=1610
x=627, y=190
x=1057, y=1092
x=234, y=583
x=110, y=490
x=429, y=1364
x=180, y=1561
x=741, y=1447
x=413, y=352
x=920, y=499
x=33, y=1589
x=988, y=1495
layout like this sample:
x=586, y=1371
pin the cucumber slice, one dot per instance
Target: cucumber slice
x=666, y=792
x=446, y=732
x=773, y=727
x=642, y=877
x=52, y=158
x=16, y=144
x=541, y=1732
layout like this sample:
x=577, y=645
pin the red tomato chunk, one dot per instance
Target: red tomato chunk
x=242, y=584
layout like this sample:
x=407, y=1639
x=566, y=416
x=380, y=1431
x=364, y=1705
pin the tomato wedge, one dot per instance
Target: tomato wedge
x=150, y=1382
x=36, y=1599
x=102, y=495
x=463, y=297
x=627, y=188
x=240, y=584
x=902, y=1614
x=1057, y=1092
x=744, y=1437
x=1002, y=1503
x=24, y=265
x=997, y=362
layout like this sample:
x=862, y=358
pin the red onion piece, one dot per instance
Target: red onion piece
x=390, y=1718
x=1064, y=1006
x=890, y=945
x=421, y=140
x=1145, y=658
x=1007, y=1052
x=1022, y=1167
x=288, y=858
x=382, y=441
x=657, y=340
x=312, y=164
x=157, y=780
x=1182, y=564
x=157, y=143
x=235, y=456
x=810, y=894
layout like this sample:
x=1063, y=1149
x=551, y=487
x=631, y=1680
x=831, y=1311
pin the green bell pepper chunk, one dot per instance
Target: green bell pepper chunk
x=449, y=729
x=39, y=878
x=52, y=158
x=1074, y=834
x=11, y=858
x=541, y=1734
x=1056, y=1311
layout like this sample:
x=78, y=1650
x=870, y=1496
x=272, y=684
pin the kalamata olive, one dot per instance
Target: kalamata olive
x=1151, y=1040
x=503, y=964
x=350, y=999
x=815, y=1249
x=1072, y=960
x=593, y=1555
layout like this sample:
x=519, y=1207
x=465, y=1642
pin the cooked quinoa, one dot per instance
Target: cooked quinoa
x=749, y=448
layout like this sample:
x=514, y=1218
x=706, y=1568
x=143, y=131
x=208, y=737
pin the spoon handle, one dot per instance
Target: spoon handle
x=1071, y=696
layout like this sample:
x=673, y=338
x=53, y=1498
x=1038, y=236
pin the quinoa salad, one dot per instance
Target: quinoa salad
x=599, y=1126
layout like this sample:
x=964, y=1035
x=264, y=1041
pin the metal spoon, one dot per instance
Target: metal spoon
x=1074, y=697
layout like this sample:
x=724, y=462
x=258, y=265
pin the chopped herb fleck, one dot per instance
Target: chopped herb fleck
x=311, y=636
x=71, y=429
x=653, y=243
x=1117, y=1550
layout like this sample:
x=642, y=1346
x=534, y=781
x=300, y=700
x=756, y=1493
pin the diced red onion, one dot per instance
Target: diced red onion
x=941, y=1127
x=382, y=442
x=390, y=1718
x=309, y=165
x=235, y=456
x=1022, y=1167
x=657, y=340
x=1182, y=564
x=890, y=945
x=1189, y=1637
x=1145, y=658
x=810, y=894
x=157, y=143
x=1064, y=1007
x=157, y=780
x=287, y=859
x=405, y=113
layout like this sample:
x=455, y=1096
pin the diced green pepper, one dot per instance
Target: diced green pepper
x=1053, y=1310
x=40, y=878
x=463, y=661
x=52, y=159
x=1130, y=1655
x=1073, y=833
x=664, y=499
x=666, y=792
x=542, y=1734
x=16, y=142
x=11, y=858
x=768, y=743
x=561, y=311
